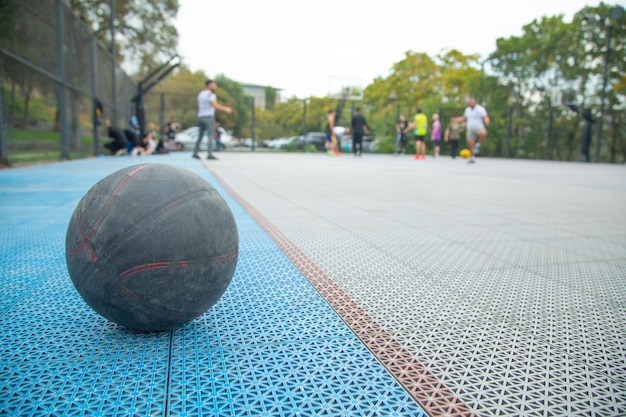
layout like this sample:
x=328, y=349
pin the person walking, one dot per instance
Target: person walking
x=401, y=128
x=207, y=105
x=420, y=124
x=359, y=128
x=477, y=120
x=331, y=137
x=435, y=135
x=453, y=134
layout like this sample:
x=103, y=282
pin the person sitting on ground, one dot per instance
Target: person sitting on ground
x=149, y=145
x=133, y=141
x=119, y=143
x=169, y=144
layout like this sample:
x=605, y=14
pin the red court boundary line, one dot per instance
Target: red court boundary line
x=426, y=389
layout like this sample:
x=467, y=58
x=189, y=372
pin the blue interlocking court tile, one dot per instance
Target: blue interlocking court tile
x=270, y=347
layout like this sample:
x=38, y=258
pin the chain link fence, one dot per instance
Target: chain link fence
x=58, y=84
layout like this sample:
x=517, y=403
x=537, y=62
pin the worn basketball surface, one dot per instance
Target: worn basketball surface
x=151, y=247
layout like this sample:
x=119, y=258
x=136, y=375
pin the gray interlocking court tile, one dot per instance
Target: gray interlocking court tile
x=506, y=279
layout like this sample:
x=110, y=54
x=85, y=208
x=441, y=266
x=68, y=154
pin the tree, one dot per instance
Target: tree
x=144, y=28
x=554, y=54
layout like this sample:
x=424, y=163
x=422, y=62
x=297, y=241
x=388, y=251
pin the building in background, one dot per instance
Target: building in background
x=265, y=97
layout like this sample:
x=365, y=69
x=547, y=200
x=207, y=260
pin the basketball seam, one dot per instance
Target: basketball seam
x=107, y=251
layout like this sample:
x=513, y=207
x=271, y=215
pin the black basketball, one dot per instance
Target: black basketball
x=151, y=247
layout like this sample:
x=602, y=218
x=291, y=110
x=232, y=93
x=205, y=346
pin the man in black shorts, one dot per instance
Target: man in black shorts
x=359, y=128
x=401, y=127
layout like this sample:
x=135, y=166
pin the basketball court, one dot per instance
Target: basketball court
x=364, y=286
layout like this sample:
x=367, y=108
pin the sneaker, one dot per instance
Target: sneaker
x=471, y=161
x=417, y=157
x=422, y=157
x=477, y=149
x=211, y=157
x=195, y=155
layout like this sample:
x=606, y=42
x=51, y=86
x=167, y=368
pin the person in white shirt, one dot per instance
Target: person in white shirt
x=207, y=105
x=477, y=120
x=148, y=145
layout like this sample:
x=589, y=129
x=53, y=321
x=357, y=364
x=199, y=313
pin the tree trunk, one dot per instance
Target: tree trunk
x=614, y=125
x=74, y=122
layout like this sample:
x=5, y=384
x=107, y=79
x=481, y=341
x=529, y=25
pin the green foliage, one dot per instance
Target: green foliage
x=291, y=147
x=146, y=28
x=386, y=144
x=514, y=83
x=310, y=148
x=270, y=98
x=23, y=135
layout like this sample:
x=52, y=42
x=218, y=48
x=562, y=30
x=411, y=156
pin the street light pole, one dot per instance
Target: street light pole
x=615, y=14
x=304, y=118
x=252, y=123
x=605, y=77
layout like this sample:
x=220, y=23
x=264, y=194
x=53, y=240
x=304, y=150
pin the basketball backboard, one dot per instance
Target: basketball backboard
x=556, y=97
x=344, y=87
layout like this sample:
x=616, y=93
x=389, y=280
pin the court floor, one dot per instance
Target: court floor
x=364, y=286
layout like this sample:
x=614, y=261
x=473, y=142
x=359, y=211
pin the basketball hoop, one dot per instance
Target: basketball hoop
x=345, y=88
x=556, y=97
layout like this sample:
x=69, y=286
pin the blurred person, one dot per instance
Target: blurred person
x=171, y=128
x=118, y=142
x=133, y=140
x=359, y=127
x=218, y=138
x=331, y=137
x=401, y=128
x=476, y=120
x=148, y=145
x=207, y=105
x=453, y=134
x=420, y=124
x=435, y=135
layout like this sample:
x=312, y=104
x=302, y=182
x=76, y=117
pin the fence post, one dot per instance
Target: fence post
x=62, y=90
x=4, y=158
x=547, y=150
x=162, y=116
x=113, y=62
x=94, y=91
x=252, y=123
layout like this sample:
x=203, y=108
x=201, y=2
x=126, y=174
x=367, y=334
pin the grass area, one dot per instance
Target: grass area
x=31, y=146
x=23, y=135
x=34, y=156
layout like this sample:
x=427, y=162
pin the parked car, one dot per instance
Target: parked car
x=188, y=137
x=317, y=139
x=290, y=141
x=369, y=144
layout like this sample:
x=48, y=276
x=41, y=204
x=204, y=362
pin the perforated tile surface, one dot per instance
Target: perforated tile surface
x=505, y=279
x=271, y=346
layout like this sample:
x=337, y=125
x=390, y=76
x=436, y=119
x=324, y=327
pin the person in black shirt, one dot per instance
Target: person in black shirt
x=171, y=128
x=359, y=128
x=118, y=144
x=401, y=127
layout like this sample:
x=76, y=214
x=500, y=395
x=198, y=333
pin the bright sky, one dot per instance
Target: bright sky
x=298, y=45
